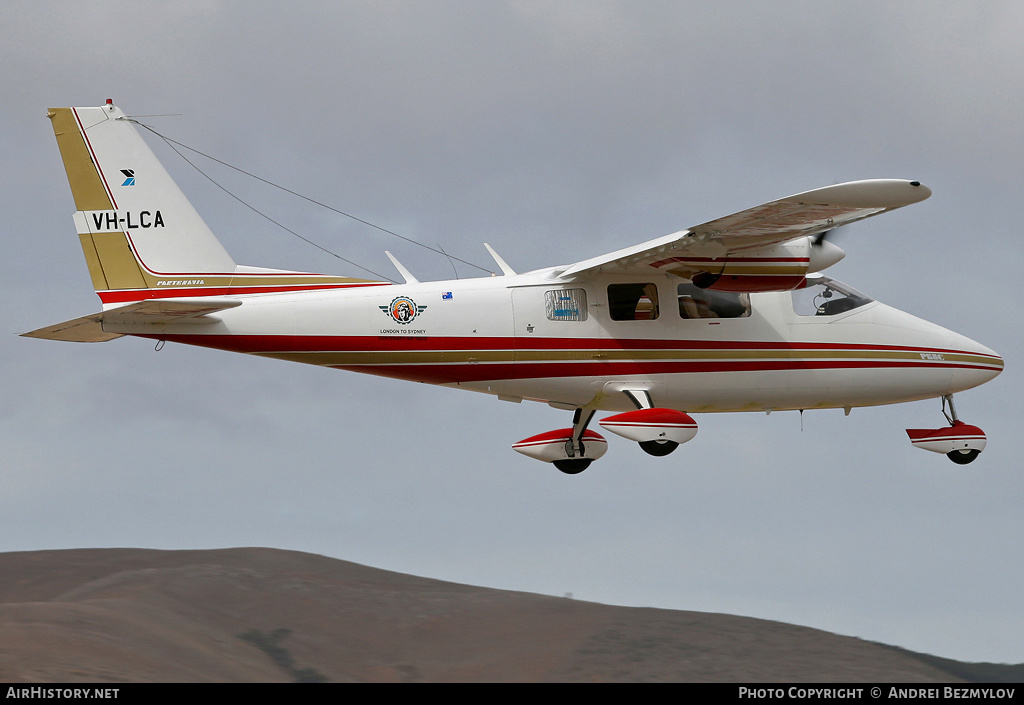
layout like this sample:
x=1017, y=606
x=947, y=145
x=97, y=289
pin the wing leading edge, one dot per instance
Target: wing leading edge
x=759, y=228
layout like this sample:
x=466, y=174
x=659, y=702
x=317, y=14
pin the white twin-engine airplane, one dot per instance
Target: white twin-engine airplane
x=729, y=315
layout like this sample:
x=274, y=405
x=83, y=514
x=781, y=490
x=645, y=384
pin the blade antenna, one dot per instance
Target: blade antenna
x=502, y=264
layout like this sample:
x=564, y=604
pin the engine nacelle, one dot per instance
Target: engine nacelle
x=645, y=425
x=960, y=442
x=747, y=283
x=553, y=446
x=775, y=268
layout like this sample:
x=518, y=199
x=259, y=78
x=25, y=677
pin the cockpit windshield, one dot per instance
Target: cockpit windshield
x=824, y=296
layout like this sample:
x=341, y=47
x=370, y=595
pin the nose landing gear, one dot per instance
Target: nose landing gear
x=960, y=442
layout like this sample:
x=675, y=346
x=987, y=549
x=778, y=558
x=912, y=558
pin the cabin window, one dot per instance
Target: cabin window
x=633, y=302
x=826, y=297
x=566, y=304
x=695, y=302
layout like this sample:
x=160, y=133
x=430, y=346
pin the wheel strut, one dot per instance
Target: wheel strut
x=574, y=446
x=951, y=417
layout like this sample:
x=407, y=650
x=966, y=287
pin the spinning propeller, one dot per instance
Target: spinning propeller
x=822, y=252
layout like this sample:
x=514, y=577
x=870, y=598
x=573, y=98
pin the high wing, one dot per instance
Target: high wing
x=90, y=329
x=757, y=232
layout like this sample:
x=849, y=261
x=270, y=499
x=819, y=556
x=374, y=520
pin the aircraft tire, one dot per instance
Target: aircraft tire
x=573, y=466
x=658, y=448
x=962, y=457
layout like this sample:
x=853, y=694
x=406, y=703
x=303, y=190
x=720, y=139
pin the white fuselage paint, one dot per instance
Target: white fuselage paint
x=492, y=335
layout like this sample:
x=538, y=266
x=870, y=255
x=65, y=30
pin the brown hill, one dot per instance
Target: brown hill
x=256, y=614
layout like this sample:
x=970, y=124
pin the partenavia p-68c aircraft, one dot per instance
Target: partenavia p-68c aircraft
x=729, y=315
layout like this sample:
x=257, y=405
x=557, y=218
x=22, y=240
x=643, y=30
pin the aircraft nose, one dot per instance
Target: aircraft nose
x=974, y=363
x=958, y=363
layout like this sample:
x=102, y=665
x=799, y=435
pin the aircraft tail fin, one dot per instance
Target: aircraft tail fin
x=141, y=237
x=134, y=222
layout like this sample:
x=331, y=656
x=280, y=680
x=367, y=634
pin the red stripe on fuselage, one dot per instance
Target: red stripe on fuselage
x=372, y=343
x=446, y=373
x=481, y=372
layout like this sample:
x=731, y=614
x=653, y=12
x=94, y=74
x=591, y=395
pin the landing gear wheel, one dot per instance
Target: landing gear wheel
x=658, y=448
x=573, y=466
x=962, y=457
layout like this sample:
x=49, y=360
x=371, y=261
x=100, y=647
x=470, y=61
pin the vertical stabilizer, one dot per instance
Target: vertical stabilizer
x=133, y=220
x=141, y=237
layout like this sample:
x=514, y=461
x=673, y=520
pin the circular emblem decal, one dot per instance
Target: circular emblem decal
x=402, y=310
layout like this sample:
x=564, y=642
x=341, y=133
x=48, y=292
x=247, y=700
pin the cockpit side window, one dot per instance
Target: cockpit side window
x=633, y=302
x=826, y=297
x=695, y=302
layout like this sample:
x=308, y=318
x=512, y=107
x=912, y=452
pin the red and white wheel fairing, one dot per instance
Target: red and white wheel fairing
x=549, y=447
x=645, y=425
x=958, y=437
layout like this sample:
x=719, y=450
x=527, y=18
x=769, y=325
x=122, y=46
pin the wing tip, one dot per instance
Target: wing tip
x=869, y=193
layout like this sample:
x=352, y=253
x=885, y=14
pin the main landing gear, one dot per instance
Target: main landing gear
x=960, y=442
x=575, y=447
x=657, y=431
x=657, y=448
x=571, y=450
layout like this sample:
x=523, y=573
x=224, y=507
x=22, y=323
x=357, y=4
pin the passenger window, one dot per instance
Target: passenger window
x=566, y=304
x=633, y=302
x=695, y=302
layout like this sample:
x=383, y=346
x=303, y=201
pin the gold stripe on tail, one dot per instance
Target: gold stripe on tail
x=112, y=265
x=86, y=186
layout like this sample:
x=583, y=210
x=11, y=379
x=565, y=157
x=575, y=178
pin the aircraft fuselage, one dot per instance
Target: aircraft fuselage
x=507, y=336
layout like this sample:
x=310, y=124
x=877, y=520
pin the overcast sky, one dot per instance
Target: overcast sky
x=555, y=131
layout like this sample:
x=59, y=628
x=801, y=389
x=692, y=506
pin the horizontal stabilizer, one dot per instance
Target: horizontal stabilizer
x=164, y=311
x=89, y=329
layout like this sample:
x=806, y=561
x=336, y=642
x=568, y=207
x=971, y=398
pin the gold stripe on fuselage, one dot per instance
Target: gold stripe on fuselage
x=437, y=357
x=114, y=266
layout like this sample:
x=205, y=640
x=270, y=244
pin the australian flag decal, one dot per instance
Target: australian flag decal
x=130, y=174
